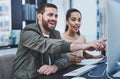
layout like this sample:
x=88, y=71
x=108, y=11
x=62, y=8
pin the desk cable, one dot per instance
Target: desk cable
x=108, y=75
x=104, y=72
x=89, y=74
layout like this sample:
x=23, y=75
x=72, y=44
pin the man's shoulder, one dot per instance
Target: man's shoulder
x=56, y=34
x=56, y=31
x=31, y=25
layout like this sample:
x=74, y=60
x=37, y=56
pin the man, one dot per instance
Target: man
x=40, y=48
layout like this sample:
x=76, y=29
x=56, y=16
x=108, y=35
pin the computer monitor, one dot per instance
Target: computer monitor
x=113, y=35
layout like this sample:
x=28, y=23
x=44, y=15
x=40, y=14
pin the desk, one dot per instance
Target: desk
x=97, y=71
x=5, y=51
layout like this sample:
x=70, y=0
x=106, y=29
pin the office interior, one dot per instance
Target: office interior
x=16, y=14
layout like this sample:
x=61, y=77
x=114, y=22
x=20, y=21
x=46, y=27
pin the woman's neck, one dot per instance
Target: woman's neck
x=71, y=35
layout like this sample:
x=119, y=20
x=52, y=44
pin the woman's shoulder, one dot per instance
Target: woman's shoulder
x=82, y=38
x=62, y=35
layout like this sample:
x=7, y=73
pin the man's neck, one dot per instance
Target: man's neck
x=43, y=30
x=46, y=35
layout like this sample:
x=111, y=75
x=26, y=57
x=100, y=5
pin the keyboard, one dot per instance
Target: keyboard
x=90, y=61
x=80, y=71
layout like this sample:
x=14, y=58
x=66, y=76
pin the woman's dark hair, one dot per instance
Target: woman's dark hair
x=68, y=14
x=41, y=8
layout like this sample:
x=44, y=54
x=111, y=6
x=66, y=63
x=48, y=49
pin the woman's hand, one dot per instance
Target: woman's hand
x=99, y=56
x=75, y=59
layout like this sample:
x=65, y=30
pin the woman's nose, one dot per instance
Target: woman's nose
x=77, y=23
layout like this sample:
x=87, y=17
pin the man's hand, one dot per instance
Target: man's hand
x=47, y=69
x=96, y=45
x=93, y=45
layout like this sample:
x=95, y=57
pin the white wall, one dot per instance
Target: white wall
x=88, y=9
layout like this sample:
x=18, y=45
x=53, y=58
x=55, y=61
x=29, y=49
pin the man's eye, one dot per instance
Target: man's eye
x=56, y=16
x=50, y=14
x=79, y=20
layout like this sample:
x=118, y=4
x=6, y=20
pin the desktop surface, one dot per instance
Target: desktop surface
x=95, y=72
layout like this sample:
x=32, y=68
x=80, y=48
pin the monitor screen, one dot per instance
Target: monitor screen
x=113, y=36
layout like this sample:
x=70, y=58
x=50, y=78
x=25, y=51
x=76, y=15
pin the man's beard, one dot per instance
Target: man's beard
x=45, y=25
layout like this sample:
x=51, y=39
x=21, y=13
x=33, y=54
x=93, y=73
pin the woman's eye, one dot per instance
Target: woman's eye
x=73, y=19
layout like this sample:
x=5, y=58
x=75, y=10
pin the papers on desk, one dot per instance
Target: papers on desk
x=90, y=61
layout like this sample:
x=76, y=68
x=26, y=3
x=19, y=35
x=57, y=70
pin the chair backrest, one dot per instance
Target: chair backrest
x=6, y=66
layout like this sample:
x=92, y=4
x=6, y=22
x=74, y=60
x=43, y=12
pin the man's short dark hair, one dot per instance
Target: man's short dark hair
x=41, y=8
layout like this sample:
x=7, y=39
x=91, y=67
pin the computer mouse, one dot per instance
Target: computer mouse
x=78, y=78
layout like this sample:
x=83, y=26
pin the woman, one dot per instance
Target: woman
x=72, y=34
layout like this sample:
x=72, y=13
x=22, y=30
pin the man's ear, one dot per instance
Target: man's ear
x=39, y=16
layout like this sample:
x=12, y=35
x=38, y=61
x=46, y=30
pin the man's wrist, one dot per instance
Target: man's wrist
x=55, y=67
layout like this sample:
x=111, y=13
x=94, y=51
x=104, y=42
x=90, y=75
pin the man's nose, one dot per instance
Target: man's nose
x=54, y=18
